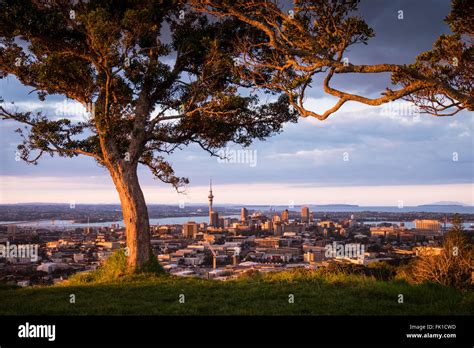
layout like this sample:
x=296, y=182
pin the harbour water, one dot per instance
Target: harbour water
x=65, y=224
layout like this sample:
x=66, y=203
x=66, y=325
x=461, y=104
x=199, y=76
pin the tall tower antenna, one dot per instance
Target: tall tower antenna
x=211, y=198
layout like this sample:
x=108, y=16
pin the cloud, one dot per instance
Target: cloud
x=66, y=108
x=385, y=149
x=101, y=190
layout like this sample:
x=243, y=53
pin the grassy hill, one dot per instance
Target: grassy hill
x=314, y=294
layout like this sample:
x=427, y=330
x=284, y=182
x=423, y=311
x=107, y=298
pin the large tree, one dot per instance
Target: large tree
x=303, y=40
x=162, y=74
x=156, y=75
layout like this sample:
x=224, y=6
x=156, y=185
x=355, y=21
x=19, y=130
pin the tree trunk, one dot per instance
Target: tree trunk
x=135, y=216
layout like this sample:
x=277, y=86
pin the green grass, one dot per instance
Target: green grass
x=315, y=294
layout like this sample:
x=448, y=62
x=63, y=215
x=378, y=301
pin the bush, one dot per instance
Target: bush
x=5, y=286
x=405, y=272
x=115, y=268
x=343, y=269
x=153, y=266
x=381, y=271
x=453, y=266
x=251, y=274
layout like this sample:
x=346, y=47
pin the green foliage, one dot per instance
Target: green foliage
x=152, y=266
x=382, y=270
x=405, y=273
x=450, y=63
x=4, y=286
x=460, y=18
x=318, y=276
x=334, y=273
x=115, y=269
x=117, y=58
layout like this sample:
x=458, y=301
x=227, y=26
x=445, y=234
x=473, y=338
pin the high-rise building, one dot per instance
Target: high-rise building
x=227, y=223
x=305, y=214
x=211, y=198
x=244, y=214
x=214, y=219
x=267, y=226
x=190, y=229
x=277, y=228
x=433, y=225
x=285, y=215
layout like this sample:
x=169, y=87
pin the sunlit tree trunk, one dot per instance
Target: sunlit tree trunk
x=135, y=216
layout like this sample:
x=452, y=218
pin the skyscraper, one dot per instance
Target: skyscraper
x=305, y=214
x=211, y=197
x=285, y=215
x=214, y=219
x=190, y=229
x=244, y=214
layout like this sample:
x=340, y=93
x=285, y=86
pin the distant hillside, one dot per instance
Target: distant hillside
x=448, y=203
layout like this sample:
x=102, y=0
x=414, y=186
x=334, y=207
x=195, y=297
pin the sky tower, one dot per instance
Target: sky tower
x=211, y=197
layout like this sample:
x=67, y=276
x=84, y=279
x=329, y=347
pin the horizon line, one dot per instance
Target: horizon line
x=243, y=205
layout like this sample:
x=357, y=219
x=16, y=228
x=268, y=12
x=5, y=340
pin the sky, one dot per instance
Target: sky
x=360, y=155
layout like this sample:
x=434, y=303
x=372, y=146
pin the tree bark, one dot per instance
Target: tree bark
x=135, y=216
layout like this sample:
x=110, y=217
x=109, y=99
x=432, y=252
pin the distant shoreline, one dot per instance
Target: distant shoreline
x=233, y=205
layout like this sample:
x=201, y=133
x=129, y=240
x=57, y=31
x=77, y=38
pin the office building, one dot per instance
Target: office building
x=305, y=214
x=190, y=230
x=432, y=225
x=285, y=215
x=244, y=215
x=214, y=219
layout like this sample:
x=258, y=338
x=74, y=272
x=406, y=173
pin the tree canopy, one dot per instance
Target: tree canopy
x=308, y=39
x=159, y=76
